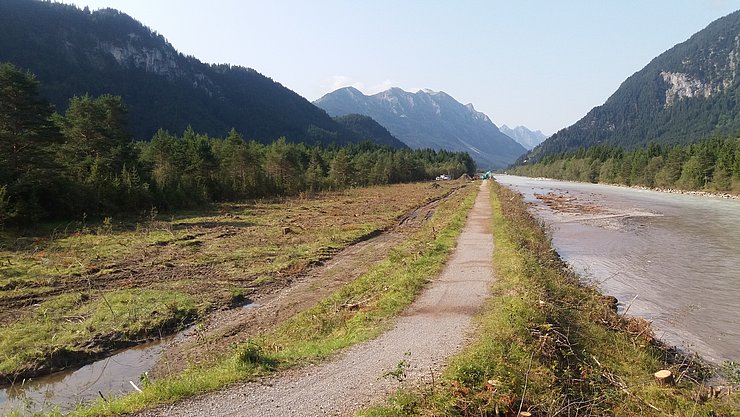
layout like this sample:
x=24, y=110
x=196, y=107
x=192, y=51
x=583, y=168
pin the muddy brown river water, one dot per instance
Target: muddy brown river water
x=673, y=259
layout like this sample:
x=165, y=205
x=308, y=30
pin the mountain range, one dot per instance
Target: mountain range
x=686, y=94
x=429, y=119
x=76, y=52
x=525, y=137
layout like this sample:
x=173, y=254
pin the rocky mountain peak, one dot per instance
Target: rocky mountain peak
x=524, y=136
x=431, y=119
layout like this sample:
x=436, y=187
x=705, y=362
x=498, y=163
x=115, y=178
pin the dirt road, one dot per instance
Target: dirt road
x=433, y=328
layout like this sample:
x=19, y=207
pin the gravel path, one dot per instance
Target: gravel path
x=434, y=327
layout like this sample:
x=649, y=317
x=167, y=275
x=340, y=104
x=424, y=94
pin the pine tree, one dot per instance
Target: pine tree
x=27, y=138
x=341, y=172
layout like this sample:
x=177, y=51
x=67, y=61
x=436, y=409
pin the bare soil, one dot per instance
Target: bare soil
x=434, y=327
x=264, y=310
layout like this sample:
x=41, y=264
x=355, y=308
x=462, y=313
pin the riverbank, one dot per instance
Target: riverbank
x=668, y=257
x=684, y=192
x=700, y=193
x=550, y=346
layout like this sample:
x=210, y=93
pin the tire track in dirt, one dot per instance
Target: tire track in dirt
x=434, y=327
x=223, y=329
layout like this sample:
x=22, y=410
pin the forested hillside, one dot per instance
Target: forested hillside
x=711, y=165
x=687, y=94
x=367, y=127
x=76, y=52
x=84, y=161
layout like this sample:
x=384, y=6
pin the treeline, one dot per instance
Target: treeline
x=711, y=165
x=85, y=161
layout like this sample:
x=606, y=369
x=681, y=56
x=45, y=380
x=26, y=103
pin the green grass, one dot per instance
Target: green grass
x=58, y=328
x=551, y=346
x=34, y=265
x=200, y=255
x=357, y=312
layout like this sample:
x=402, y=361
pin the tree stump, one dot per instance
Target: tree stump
x=663, y=377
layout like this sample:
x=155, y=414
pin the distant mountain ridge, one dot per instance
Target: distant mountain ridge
x=76, y=52
x=525, y=137
x=686, y=94
x=367, y=127
x=429, y=119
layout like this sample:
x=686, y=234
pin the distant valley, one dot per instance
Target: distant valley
x=524, y=136
x=429, y=119
x=74, y=52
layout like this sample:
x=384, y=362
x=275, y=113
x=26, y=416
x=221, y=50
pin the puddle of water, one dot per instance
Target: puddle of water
x=108, y=377
x=63, y=391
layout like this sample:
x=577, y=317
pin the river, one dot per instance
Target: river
x=673, y=259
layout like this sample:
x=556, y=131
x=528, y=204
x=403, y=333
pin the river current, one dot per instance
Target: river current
x=673, y=259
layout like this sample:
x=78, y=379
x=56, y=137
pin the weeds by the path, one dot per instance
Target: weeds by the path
x=357, y=312
x=549, y=346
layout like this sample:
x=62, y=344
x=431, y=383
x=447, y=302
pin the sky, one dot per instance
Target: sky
x=539, y=63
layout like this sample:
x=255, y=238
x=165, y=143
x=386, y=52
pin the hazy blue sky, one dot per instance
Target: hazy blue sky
x=542, y=64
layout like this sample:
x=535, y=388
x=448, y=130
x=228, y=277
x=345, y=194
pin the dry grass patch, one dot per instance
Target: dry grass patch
x=207, y=258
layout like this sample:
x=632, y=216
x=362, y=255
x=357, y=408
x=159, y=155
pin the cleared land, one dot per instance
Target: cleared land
x=223, y=329
x=431, y=329
x=78, y=291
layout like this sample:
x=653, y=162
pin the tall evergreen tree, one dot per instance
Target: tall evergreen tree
x=97, y=144
x=27, y=137
x=341, y=173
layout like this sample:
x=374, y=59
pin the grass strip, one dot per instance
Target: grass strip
x=549, y=346
x=357, y=312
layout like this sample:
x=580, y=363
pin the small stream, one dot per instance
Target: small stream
x=673, y=259
x=65, y=390
x=109, y=377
